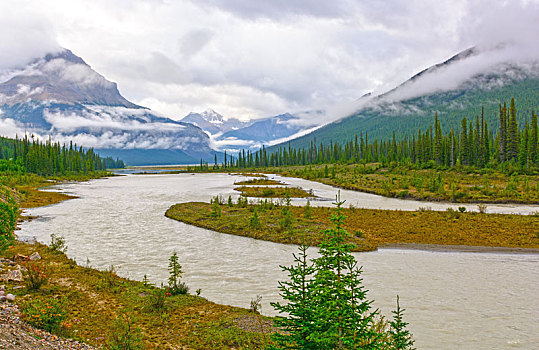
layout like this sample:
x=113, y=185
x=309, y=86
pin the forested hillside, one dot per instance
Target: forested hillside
x=511, y=141
x=411, y=105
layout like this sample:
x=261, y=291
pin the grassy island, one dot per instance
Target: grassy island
x=273, y=192
x=368, y=228
x=258, y=182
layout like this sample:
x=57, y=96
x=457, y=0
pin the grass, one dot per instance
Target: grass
x=368, y=228
x=95, y=299
x=28, y=185
x=460, y=185
x=273, y=192
x=258, y=182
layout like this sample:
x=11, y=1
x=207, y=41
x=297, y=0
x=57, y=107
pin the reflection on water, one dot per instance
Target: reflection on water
x=453, y=300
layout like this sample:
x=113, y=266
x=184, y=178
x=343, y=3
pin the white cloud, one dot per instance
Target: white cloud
x=114, y=119
x=251, y=59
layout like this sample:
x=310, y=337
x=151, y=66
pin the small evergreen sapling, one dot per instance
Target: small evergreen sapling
x=401, y=339
x=254, y=221
x=326, y=304
x=308, y=211
x=175, y=287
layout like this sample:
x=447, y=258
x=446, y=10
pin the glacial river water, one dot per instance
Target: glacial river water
x=453, y=300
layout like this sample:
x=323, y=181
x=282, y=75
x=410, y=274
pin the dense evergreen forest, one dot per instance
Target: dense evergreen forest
x=50, y=158
x=407, y=117
x=474, y=144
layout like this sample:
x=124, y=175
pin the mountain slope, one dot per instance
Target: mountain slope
x=213, y=123
x=61, y=96
x=411, y=106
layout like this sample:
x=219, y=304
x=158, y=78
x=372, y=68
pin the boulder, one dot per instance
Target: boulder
x=10, y=297
x=35, y=256
x=20, y=257
x=15, y=275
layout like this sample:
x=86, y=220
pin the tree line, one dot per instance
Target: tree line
x=475, y=144
x=52, y=158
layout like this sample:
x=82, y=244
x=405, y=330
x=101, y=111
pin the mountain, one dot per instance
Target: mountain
x=455, y=88
x=213, y=123
x=233, y=135
x=61, y=96
x=267, y=129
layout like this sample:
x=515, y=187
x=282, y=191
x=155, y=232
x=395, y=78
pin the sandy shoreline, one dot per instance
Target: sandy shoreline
x=460, y=248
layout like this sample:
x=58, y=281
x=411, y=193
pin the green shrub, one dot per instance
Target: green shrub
x=46, y=314
x=124, y=335
x=35, y=276
x=58, y=243
x=156, y=301
x=254, y=221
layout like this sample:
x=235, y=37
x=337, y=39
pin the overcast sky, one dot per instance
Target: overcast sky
x=249, y=59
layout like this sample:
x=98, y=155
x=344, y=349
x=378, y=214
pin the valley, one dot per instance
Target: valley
x=213, y=261
x=273, y=175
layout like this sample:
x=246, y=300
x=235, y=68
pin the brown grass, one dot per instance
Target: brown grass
x=188, y=322
x=273, y=192
x=258, y=182
x=369, y=228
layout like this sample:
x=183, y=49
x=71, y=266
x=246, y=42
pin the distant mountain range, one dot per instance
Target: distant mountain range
x=214, y=123
x=456, y=88
x=233, y=134
x=61, y=96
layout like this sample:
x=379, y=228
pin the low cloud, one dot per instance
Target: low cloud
x=253, y=59
x=71, y=122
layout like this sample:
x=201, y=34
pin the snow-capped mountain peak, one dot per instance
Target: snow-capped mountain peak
x=61, y=96
x=213, y=122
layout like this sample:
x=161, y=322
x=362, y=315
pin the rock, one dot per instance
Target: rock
x=15, y=275
x=2, y=298
x=10, y=297
x=2, y=293
x=20, y=257
x=35, y=256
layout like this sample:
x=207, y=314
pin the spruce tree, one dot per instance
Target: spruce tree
x=301, y=321
x=512, y=132
x=503, y=134
x=534, y=153
x=401, y=339
x=343, y=315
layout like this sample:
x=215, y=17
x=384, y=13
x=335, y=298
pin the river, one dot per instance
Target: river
x=453, y=300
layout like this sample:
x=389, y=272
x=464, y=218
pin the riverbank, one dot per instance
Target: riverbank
x=95, y=305
x=368, y=228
